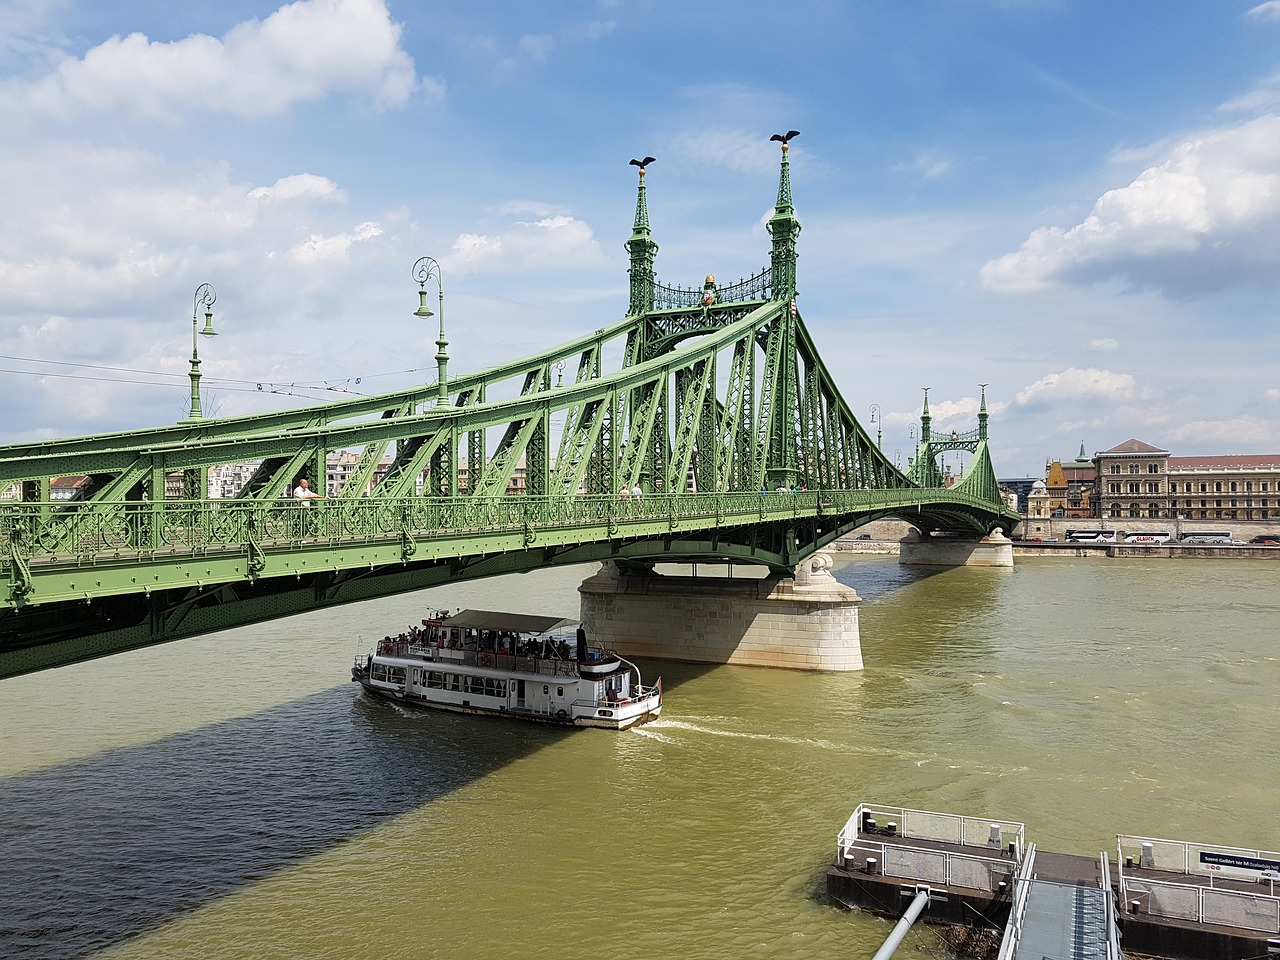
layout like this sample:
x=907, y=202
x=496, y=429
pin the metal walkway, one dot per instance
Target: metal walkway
x=1056, y=920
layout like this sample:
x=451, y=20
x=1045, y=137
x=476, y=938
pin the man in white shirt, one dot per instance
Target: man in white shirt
x=303, y=493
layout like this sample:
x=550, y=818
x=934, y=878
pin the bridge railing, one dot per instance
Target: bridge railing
x=758, y=287
x=101, y=531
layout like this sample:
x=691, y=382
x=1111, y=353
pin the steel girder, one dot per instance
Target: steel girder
x=125, y=567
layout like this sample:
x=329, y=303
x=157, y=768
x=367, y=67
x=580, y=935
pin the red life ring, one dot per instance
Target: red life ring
x=486, y=659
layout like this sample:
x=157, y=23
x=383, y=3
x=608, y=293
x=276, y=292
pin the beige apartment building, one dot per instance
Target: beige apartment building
x=1136, y=479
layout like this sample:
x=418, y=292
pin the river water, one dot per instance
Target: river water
x=232, y=796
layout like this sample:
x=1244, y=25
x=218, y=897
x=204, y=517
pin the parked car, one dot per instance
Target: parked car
x=863, y=536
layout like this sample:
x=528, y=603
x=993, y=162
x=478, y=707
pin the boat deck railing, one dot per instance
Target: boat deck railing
x=543, y=666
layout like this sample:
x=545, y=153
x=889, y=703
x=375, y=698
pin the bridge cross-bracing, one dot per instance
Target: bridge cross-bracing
x=707, y=398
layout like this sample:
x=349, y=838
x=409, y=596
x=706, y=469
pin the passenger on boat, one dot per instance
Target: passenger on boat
x=582, y=644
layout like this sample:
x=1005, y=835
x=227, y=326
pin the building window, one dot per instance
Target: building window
x=1153, y=486
x=1264, y=486
x=1115, y=468
x=1204, y=487
x=1217, y=486
x=1233, y=486
x=1113, y=488
x=1186, y=488
x=1153, y=468
x=1133, y=487
x=1133, y=468
x=1248, y=486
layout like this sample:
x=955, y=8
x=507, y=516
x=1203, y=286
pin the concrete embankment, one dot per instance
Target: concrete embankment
x=883, y=536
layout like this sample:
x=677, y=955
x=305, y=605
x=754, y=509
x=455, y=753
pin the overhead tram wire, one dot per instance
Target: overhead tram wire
x=224, y=383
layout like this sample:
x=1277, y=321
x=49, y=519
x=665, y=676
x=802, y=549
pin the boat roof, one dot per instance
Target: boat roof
x=509, y=622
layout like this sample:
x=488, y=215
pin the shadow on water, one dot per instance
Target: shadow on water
x=105, y=849
x=876, y=576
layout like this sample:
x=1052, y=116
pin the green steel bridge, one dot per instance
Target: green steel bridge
x=718, y=401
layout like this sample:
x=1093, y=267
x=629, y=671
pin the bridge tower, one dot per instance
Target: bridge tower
x=784, y=228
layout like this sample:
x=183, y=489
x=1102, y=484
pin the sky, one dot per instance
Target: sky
x=1076, y=203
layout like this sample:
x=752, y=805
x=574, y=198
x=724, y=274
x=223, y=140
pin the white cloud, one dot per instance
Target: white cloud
x=1104, y=343
x=1265, y=96
x=319, y=248
x=96, y=227
x=742, y=151
x=1243, y=432
x=558, y=240
x=1206, y=218
x=928, y=165
x=305, y=186
x=303, y=52
x=1266, y=11
x=1076, y=384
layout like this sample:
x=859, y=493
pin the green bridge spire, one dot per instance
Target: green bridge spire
x=642, y=249
x=784, y=228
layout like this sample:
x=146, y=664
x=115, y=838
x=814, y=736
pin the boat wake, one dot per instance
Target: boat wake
x=655, y=727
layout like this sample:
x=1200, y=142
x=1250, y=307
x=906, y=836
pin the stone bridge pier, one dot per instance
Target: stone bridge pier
x=809, y=623
x=993, y=550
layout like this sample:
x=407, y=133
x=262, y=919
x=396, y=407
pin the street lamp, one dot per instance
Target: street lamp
x=206, y=295
x=423, y=270
x=875, y=418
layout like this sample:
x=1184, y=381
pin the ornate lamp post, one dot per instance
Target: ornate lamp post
x=876, y=419
x=206, y=295
x=424, y=270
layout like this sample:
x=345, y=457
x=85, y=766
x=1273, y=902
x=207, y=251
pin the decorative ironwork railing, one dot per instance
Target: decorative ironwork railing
x=758, y=287
x=143, y=531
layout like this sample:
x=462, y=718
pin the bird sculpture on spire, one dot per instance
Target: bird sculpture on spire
x=642, y=163
x=783, y=138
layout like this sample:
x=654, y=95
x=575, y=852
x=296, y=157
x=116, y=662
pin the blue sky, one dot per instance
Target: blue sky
x=1077, y=203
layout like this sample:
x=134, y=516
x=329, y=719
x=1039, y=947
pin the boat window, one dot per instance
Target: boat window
x=545, y=688
x=559, y=691
x=435, y=679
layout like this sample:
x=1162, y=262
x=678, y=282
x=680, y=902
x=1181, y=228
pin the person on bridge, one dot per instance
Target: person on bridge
x=303, y=493
x=636, y=492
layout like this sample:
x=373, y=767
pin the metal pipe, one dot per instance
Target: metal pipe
x=898, y=932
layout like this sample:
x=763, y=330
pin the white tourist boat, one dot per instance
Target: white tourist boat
x=478, y=661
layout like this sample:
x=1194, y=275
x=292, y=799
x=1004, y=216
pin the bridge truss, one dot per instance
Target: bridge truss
x=710, y=400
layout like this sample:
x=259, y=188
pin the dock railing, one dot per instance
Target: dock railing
x=861, y=835
x=1018, y=909
x=1180, y=900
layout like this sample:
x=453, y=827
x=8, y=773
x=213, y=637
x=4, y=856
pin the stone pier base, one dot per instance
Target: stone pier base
x=809, y=623
x=993, y=550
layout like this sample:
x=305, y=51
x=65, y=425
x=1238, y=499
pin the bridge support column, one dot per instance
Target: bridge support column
x=809, y=623
x=993, y=550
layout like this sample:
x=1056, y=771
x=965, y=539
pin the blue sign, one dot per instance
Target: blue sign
x=1216, y=861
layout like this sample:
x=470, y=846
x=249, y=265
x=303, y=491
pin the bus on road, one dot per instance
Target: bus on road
x=1148, y=536
x=1091, y=536
x=1205, y=536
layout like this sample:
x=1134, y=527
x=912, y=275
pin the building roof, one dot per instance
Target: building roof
x=1132, y=446
x=74, y=482
x=1225, y=461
